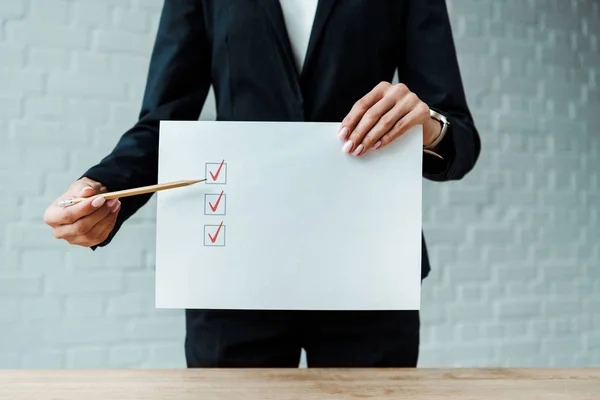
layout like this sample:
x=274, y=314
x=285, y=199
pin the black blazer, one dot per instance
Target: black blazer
x=241, y=47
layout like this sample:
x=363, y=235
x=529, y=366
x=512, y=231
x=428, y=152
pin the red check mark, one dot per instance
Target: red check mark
x=214, y=208
x=216, y=175
x=214, y=238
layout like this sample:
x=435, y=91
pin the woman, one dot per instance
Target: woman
x=291, y=60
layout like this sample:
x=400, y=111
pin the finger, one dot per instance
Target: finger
x=83, y=225
x=366, y=123
x=414, y=117
x=387, y=121
x=97, y=234
x=360, y=108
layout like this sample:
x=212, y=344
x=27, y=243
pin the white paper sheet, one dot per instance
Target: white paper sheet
x=302, y=225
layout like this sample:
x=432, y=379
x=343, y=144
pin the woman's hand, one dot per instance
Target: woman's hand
x=384, y=114
x=87, y=223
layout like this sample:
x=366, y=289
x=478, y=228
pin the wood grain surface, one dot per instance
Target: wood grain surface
x=251, y=384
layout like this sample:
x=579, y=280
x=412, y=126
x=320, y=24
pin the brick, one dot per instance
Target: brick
x=474, y=272
x=560, y=271
x=150, y=5
x=592, y=341
x=85, y=331
x=471, y=332
x=10, y=311
x=511, y=272
x=31, y=236
x=38, y=260
x=48, y=59
x=48, y=158
x=85, y=86
x=45, y=308
x=562, y=347
x=85, y=305
x=87, y=357
x=21, y=82
x=518, y=349
x=562, y=307
x=9, y=109
x=9, y=359
x=79, y=282
x=44, y=108
x=47, y=35
x=131, y=20
x=468, y=312
x=480, y=9
x=91, y=14
x=12, y=9
x=42, y=358
x=432, y=315
x=12, y=56
x=89, y=111
x=118, y=41
x=130, y=304
x=464, y=353
x=39, y=132
x=156, y=329
x=169, y=355
x=20, y=284
x=518, y=309
x=54, y=12
x=91, y=62
x=127, y=355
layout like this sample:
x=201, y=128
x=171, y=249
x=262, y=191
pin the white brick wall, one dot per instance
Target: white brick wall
x=514, y=247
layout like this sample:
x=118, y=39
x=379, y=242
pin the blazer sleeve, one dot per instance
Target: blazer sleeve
x=176, y=88
x=429, y=68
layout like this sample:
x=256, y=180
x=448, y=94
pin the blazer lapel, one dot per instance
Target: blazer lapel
x=274, y=13
x=324, y=8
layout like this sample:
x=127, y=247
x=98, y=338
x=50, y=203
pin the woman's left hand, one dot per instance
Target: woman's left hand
x=384, y=114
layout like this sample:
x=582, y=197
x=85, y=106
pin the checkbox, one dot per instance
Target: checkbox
x=215, y=203
x=216, y=173
x=214, y=235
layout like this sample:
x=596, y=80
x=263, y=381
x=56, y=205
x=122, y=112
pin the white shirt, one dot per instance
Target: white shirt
x=299, y=16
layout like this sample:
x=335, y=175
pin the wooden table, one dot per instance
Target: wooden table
x=431, y=384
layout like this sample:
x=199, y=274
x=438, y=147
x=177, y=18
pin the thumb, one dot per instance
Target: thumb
x=87, y=191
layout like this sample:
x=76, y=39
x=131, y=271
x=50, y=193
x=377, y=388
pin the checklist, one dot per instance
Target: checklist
x=215, y=203
x=216, y=173
x=295, y=224
x=214, y=235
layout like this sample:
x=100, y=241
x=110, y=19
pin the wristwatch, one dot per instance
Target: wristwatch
x=445, y=124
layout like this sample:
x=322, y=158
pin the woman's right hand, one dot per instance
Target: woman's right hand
x=87, y=223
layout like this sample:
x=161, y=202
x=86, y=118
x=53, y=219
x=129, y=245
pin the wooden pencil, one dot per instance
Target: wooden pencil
x=132, y=192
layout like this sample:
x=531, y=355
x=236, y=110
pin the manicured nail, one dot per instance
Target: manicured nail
x=111, y=203
x=347, y=146
x=116, y=207
x=98, y=201
x=86, y=189
x=377, y=145
x=343, y=133
x=358, y=150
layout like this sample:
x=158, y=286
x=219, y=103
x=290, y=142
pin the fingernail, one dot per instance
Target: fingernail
x=87, y=188
x=347, y=146
x=377, y=145
x=111, y=203
x=98, y=201
x=358, y=150
x=116, y=208
x=343, y=133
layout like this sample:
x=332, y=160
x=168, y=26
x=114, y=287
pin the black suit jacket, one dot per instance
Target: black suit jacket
x=241, y=47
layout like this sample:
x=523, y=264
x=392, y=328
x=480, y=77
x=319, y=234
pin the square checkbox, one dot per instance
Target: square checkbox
x=214, y=235
x=215, y=203
x=216, y=173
